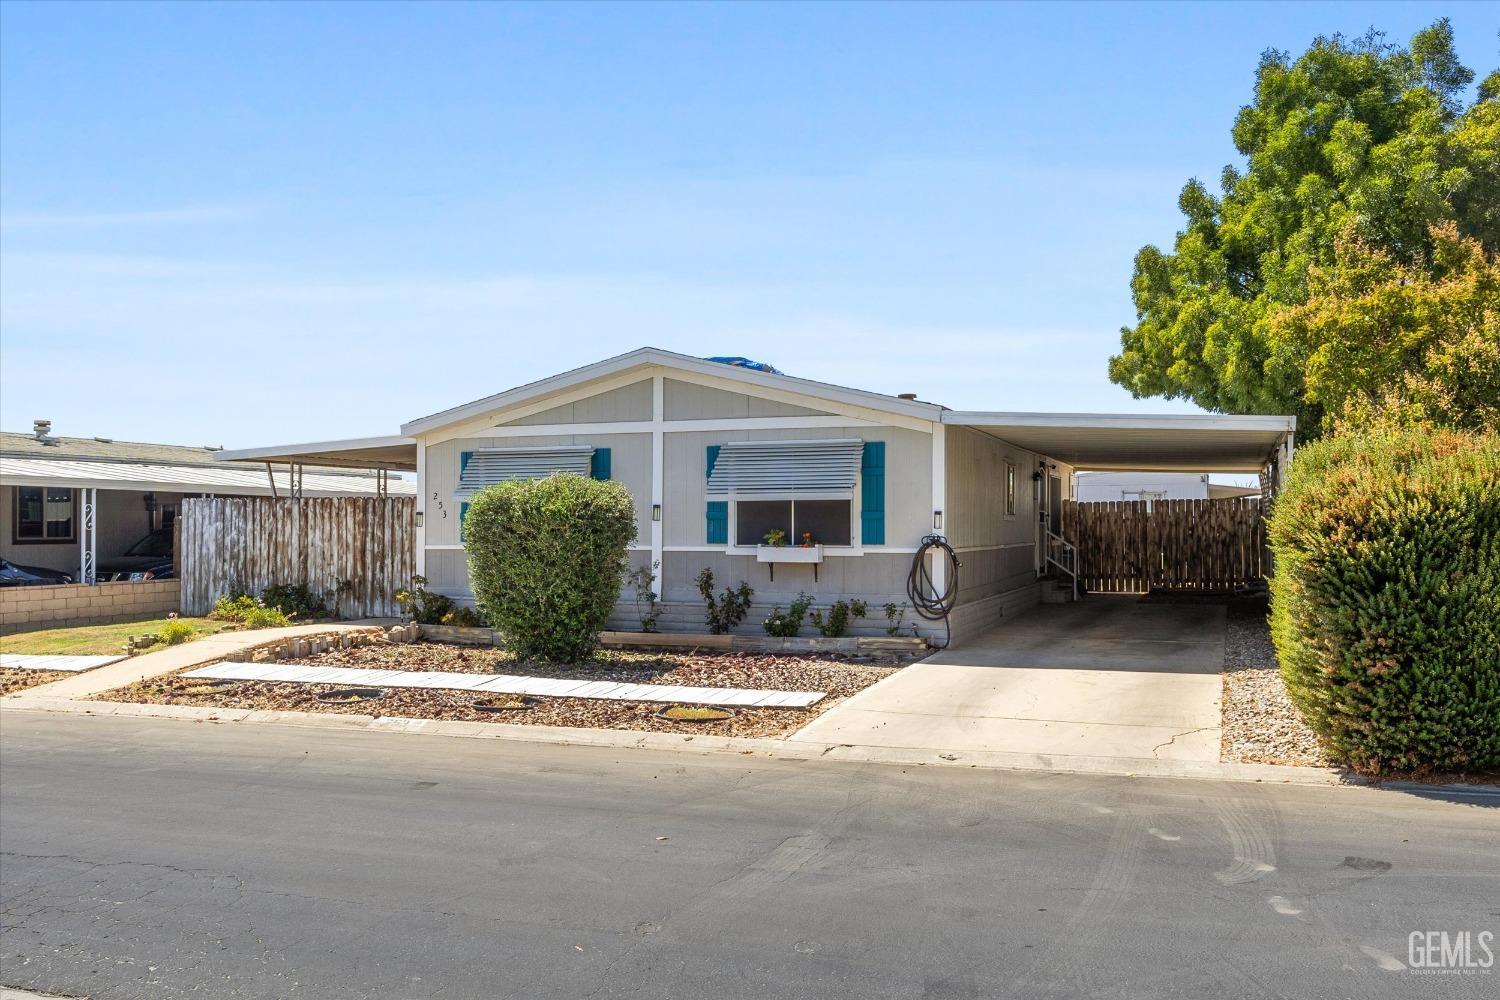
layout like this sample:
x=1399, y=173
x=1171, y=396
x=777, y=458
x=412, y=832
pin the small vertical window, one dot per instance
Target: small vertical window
x=44, y=514
x=1010, y=487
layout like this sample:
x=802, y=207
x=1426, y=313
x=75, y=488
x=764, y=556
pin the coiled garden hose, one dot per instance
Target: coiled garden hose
x=923, y=592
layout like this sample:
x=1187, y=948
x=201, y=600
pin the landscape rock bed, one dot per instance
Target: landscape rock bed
x=838, y=676
x=1261, y=725
x=13, y=679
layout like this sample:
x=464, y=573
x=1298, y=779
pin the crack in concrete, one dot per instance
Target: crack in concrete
x=1155, y=751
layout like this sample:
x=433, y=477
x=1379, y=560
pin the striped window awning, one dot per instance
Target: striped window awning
x=487, y=466
x=786, y=470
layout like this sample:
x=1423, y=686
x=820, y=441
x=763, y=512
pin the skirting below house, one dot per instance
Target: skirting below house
x=867, y=645
x=969, y=620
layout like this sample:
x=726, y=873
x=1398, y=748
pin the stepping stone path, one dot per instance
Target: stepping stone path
x=72, y=664
x=547, y=687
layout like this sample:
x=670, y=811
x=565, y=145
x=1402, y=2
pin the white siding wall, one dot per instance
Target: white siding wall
x=630, y=463
x=876, y=577
x=690, y=401
x=629, y=402
x=908, y=457
x=998, y=549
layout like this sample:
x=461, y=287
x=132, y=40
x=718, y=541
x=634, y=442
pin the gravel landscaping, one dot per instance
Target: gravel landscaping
x=1261, y=725
x=13, y=679
x=838, y=676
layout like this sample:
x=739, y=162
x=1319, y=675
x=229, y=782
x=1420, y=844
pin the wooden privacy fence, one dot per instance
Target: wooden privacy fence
x=354, y=552
x=1135, y=546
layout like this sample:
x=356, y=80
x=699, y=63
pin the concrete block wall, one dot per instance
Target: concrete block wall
x=26, y=609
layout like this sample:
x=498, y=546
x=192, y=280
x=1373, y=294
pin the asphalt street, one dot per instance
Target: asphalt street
x=160, y=859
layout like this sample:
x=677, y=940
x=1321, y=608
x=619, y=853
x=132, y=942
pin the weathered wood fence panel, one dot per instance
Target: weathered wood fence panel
x=1135, y=546
x=354, y=552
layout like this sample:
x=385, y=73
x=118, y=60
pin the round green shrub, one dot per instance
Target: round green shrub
x=265, y=618
x=547, y=560
x=1385, y=603
x=176, y=632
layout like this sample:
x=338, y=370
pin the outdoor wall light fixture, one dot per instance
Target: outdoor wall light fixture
x=937, y=520
x=656, y=512
x=419, y=518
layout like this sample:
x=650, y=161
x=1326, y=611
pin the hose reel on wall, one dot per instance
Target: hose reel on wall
x=921, y=589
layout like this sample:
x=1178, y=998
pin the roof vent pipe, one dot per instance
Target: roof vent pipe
x=42, y=429
x=907, y=395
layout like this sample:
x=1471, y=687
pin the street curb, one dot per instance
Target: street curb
x=787, y=749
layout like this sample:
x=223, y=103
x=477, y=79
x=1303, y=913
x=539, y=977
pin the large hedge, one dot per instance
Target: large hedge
x=1386, y=597
x=546, y=560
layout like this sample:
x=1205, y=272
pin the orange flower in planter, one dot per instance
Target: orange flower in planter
x=807, y=539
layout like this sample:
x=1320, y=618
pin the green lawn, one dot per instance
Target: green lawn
x=85, y=640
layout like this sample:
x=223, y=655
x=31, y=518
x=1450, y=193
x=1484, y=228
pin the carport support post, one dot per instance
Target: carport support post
x=420, y=555
x=939, y=499
x=88, y=539
x=658, y=481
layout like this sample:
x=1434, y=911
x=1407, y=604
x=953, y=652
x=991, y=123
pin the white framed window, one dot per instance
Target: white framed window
x=1010, y=488
x=816, y=522
x=788, y=492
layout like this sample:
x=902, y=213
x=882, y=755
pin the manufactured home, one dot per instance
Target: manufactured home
x=791, y=485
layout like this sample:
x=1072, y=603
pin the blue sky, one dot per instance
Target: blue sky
x=250, y=224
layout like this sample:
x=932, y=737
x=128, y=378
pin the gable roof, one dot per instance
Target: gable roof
x=648, y=356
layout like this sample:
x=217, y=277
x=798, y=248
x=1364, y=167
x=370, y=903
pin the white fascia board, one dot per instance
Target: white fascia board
x=1125, y=421
x=219, y=489
x=671, y=361
x=293, y=451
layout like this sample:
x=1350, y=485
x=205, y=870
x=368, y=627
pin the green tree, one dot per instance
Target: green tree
x=1355, y=138
x=1401, y=344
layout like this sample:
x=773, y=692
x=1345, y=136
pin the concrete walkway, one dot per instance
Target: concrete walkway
x=1106, y=677
x=54, y=661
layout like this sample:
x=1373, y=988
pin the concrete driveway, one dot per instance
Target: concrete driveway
x=1105, y=677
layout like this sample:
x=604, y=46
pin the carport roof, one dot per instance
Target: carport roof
x=396, y=453
x=1206, y=442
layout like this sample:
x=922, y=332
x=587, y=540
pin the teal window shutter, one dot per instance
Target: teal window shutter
x=718, y=510
x=599, y=464
x=872, y=494
x=463, y=508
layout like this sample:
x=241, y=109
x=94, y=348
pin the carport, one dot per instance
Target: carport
x=1128, y=546
x=1112, y=680
x=380, y=455
x=1193, y=442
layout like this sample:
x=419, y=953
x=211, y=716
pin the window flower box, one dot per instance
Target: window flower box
x=789, y=553
x=809, y=555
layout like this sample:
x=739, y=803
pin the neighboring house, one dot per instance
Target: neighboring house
x=718, y=456
x=1089, y=487
x=94, y=508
